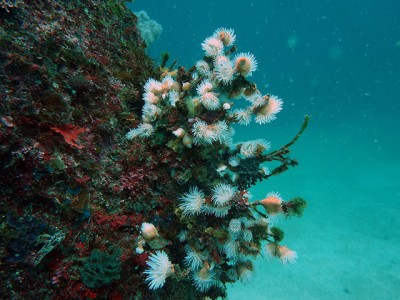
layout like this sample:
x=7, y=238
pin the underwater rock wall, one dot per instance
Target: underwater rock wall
x=120, y=178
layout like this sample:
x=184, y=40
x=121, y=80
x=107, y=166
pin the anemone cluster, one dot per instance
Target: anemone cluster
x=192, y=112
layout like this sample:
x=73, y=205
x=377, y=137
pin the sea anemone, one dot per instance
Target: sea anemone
x=245, y=272
x=224, y=69
x=247, y=235
x=193, y=259
x=143, y=130
x=204, y=278
x=173, y=97
x=272, y=203
x=218, y=211
x=192, y=202
x=150, y=97
x=284, y=254
x=235, y=226
x=226, y=35
x=231, y=250
x=160, y=268
x=245, y=64
x=223, y=193
x=266, y=112
x=254, y=148
x=234, y=160
x=204, y=133
x=212, y=46
x=208, y=98
x=150, y=111
x=221, y=129
x=203, y=68
x=153, y=86
x=243, y=116
x=179, y=133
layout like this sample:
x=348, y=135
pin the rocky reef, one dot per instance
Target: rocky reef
x=120, y=178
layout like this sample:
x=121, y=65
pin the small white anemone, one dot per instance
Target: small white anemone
x=204, y=279
x=226, y=35
x=212, y=46
x=192, y=202
x=150, y=111
x=173, y=97
x=254, y=147
x=235, y=226
x=204, y=133
x=221, y=130
x=245, y=63
x=153, y=86
x=266, y=113
x=150, y=97
x=284, y=254
x=231, y=250
x=243, y=116
x=223, y=193
x=203, y=68
x=224, y=69
x=193, y=259
x=207, y=97
x=143, y=130
x=234, y=160
x=160, y=268
x=245, y=272
x=218, y=211
x=247, y=235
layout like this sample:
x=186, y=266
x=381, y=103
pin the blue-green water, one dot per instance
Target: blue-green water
x=338, y=61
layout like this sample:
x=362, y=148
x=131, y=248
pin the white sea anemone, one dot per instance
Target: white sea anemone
x=179, y=133
x=231, y=250
x=150, y=111
x=204, y=133
x=204, y=278
x=223, y=193
x=226, y=35
x=284, y=254
x=245, y=64
x=160, y=268
x=218, y=211
x=254, y=147
x=243, y=116
x=207, y=97
x=153, y=86
x=266, y=113
x=168, y=83
x=192, y=202
x=193, y=259
x=182, y=236
x=212, y=46
x=248, y=149
x=143, y=130
x=224, y=69
x=272, y=203
x=203, y=68
x=235, y=226
x=234, y=160
x=150, y=98
x=245, y=272
x=173, y=97
x=247, y=235
x=221, y=129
